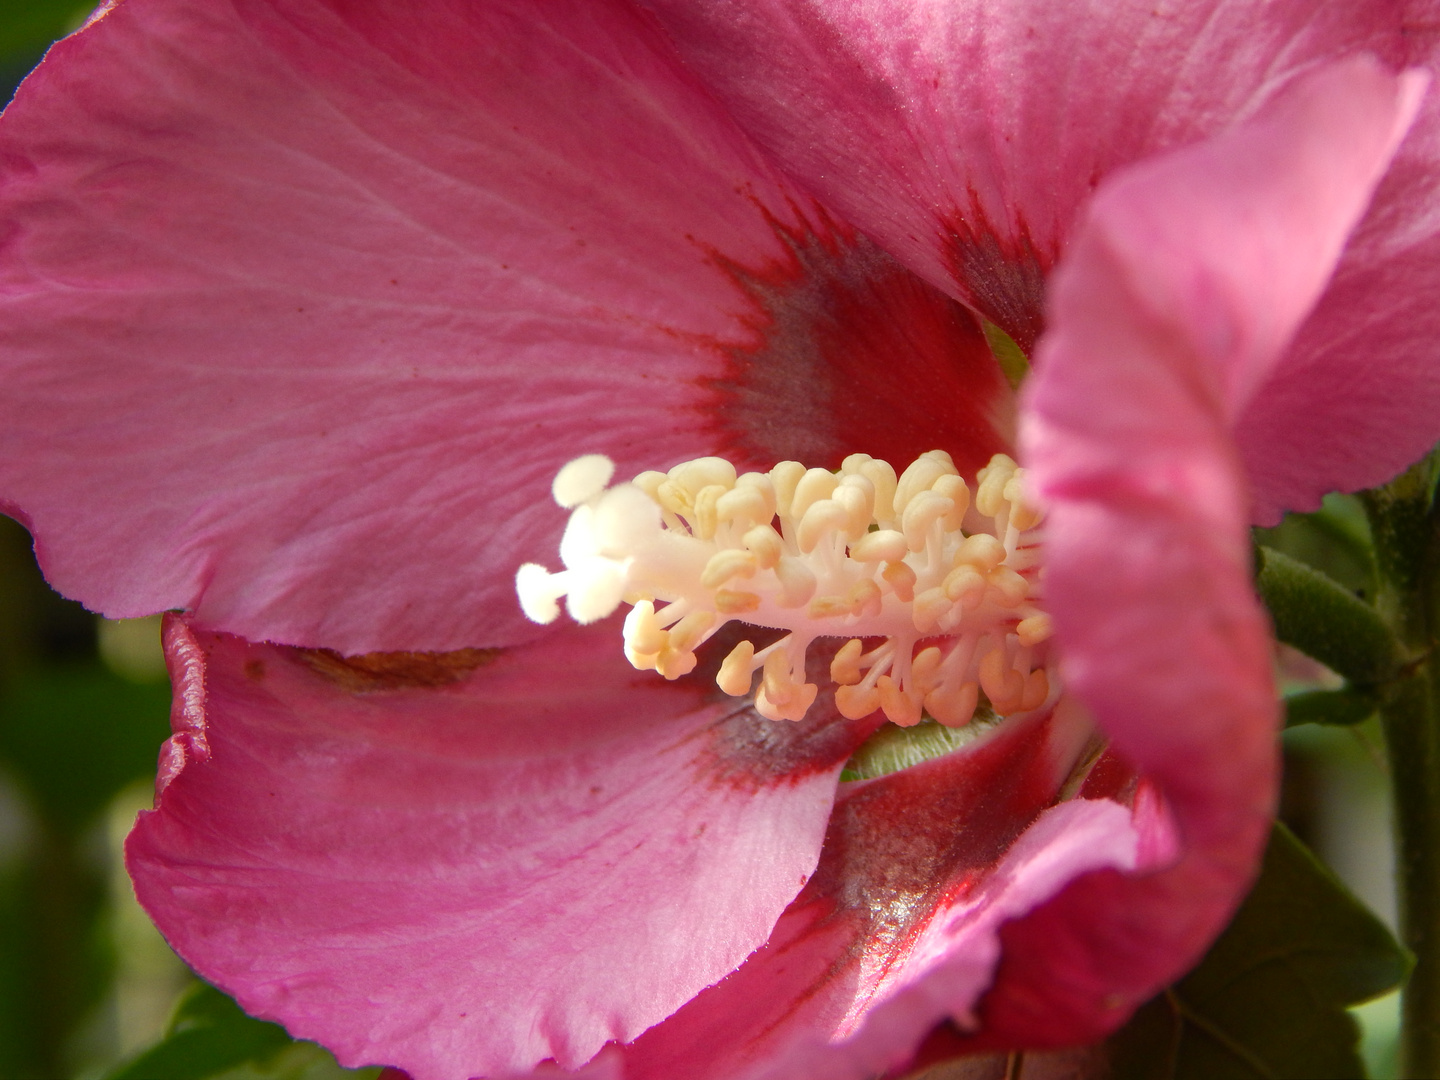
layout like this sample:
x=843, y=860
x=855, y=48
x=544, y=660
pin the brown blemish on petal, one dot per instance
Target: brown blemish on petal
x=852, y=353
x=1002, y=273
x=395, y=670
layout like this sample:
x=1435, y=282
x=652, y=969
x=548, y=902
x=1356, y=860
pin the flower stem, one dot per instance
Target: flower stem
x=1412, y=733
x=1406, y=530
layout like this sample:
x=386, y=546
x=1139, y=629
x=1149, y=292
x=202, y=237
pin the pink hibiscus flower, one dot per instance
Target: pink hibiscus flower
x=306, y=303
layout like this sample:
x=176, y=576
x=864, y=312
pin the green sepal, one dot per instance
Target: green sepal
x=1324, y=620
x=893, y=748
x=210, y=1038
x=1270, y=998
x=1345, y=707
x=1012, y=359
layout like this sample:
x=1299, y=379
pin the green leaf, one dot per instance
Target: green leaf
x=210, y=1038
x=27, y=26
x=1324, y=620
x=1346, y=706
x=1334, y=540
x=75, y=734
x=1269, y=999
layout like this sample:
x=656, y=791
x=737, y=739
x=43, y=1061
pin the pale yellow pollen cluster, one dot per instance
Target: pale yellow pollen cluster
x=901, y=561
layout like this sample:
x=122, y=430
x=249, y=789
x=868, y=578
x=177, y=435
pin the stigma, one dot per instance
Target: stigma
x=935, y=587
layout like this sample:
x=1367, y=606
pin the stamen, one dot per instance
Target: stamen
x=914, y=561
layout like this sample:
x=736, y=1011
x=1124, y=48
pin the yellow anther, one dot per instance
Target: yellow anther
x=814, y=553
x=797, y=582
x=776, y=681
x=1037, y=689
x=794, y=709
x=582, y=479
x=643, y=632
x=957, y=491
x=784, y=477
x=865, y=598
x=953, y=708
x=765, y=544
x=829, y=607
x=641, y=661
x=882, y=477
x=923, y=510
x=923, y=669
x=845, y=666
x=749, y=503
x=700, y=473
x=815, y=485
x=857, y=496
x=735, y=601
x=649, y=482
x=1035, y=629
x=735, y=672
x=706, y=515
x=1003, y=685
x=919, y=476
x=901, y=580
x=927, y=608
x=1015, y=487
x=673, y=663
x=898, y=706
x=688, y=632
x=883, y=545
x=1007, y=588
x=675, y=498
x=1024, y=516
x=854, y=702
x=982, y=551
x=823, y=518
x=990, y=494
x=726, y=564
x=964, y=585
x=782, y=696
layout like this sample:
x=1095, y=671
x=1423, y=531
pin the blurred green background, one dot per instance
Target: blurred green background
x=88, y=989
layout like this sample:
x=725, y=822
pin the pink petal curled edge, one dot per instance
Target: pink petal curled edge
x=548, y=853
x=303, y=306
x=1181, y=290
x=897, y=930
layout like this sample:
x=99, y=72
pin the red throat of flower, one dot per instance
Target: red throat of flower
x=890, y=563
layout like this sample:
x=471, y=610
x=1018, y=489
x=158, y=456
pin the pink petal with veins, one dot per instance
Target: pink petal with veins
x=303, y=307
x=465, y=877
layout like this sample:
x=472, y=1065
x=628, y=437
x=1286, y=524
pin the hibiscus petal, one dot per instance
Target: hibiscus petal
x=1356, y=398
x=897, y=928
x=965, y=136
x=303, y=307
x=467, y=878
x=1178, y=296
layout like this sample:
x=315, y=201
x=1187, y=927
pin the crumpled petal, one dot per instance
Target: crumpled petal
x=897, y=928
x=302, y=308
x=1179, y=294
x=466, y=877
x=966, y=136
